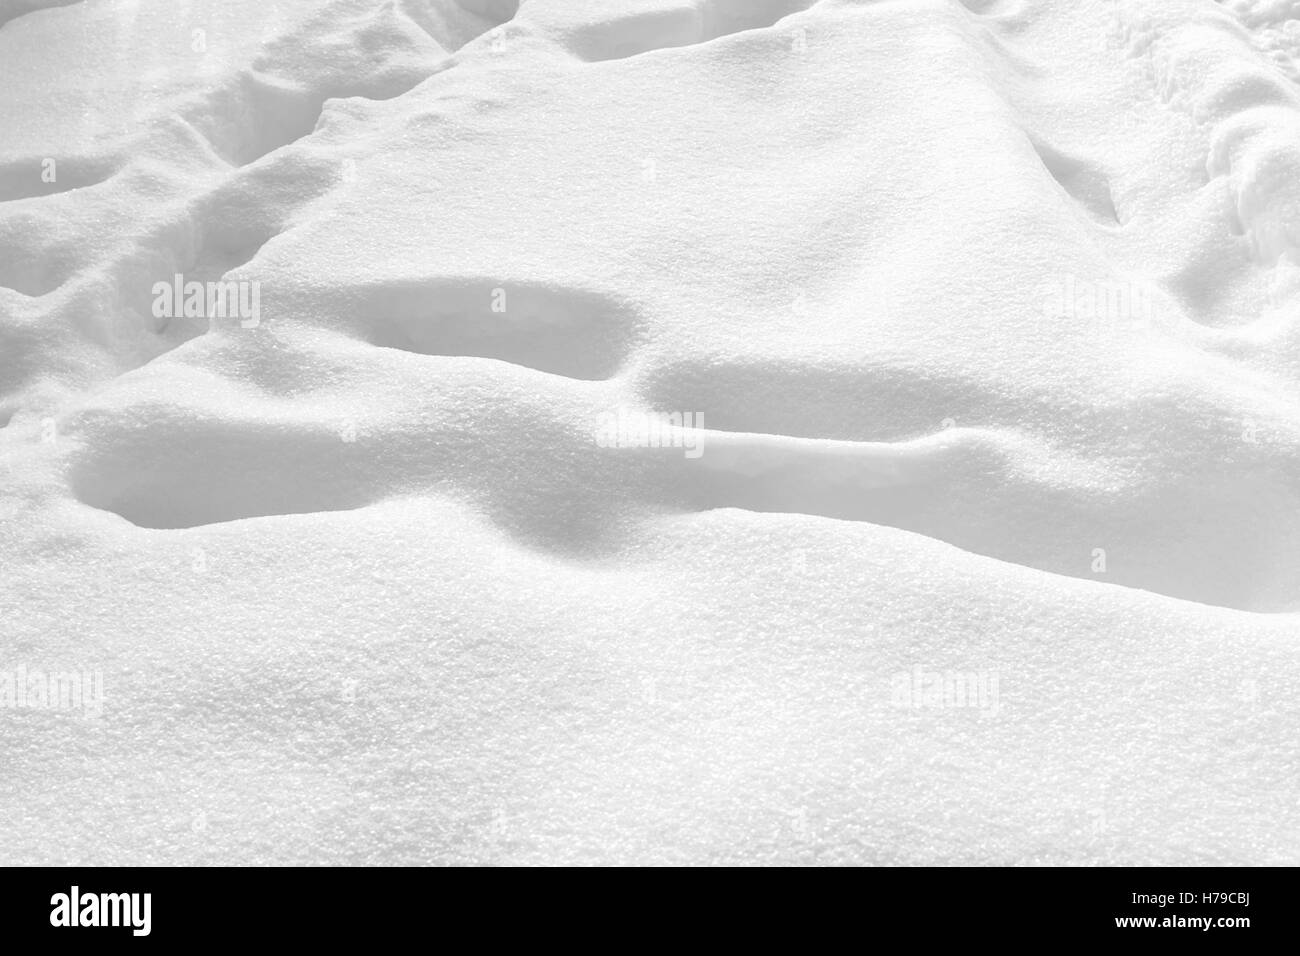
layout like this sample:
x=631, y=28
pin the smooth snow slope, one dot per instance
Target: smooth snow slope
x=991, y=314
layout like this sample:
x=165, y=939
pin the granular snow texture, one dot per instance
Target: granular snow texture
x=966, y=336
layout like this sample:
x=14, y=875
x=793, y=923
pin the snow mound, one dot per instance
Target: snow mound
x=652, y=431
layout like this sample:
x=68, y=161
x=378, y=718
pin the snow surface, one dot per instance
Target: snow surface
x=980, y=324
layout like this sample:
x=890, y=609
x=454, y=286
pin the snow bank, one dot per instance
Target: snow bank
x=969, y=530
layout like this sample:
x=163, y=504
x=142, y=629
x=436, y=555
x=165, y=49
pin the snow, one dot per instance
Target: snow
x=982, y=318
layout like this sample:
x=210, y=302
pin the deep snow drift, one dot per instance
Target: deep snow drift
x=966, y=337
